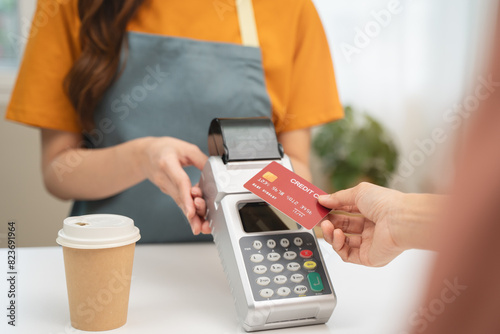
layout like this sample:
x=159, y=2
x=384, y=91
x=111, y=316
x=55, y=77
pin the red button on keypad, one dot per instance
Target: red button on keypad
x=306, y=254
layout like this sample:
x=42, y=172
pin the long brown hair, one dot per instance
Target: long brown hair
x=102, y=35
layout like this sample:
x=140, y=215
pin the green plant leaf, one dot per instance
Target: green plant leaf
x=356, y=148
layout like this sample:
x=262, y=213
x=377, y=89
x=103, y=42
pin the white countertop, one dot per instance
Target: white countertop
x=181, y=288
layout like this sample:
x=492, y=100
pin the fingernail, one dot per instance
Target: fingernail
x=323, y=197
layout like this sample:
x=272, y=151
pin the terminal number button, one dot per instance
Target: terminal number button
x=290, y=255
x=298, y=241
x=273, y=256
x=300, y=289
x=306, y=254
x=310, y=265
x=293, y=266
x=266, y=293
x=277, y=268
x=284, y=243
x=280, y=279
x=315, y=282
x=256, y=258
x=257, y=244
x=283, y=291
x=297, y=278
x=271, y=243
x=260, y=269
x=263, y=280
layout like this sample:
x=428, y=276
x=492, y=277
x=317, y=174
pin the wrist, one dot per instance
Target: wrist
x=415, y=221
x=140, y=155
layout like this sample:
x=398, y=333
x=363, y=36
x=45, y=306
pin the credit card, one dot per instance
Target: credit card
x=289, y=193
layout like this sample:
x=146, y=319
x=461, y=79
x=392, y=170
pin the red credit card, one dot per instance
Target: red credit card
x=289, y=193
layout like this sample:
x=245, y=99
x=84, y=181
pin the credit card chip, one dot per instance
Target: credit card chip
x=270, y=176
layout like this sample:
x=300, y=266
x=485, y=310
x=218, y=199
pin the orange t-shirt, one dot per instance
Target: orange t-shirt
x=297, y=64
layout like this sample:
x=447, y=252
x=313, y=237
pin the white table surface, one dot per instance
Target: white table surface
x=181, y=288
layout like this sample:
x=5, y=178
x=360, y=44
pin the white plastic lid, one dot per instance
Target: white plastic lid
x=97, y=231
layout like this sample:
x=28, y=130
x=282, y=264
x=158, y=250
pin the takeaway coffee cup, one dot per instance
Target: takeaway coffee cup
x=98, y=257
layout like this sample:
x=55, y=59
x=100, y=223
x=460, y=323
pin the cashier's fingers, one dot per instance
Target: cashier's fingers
x=200, y=205
x=178, y=185
x=200, y=225
x=184, y=200
x=205, y=228
x=196, y=191
x=191, y=155
x=196, y=224
x=201, y=210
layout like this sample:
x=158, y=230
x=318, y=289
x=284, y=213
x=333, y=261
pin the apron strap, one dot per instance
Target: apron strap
x=248, y=27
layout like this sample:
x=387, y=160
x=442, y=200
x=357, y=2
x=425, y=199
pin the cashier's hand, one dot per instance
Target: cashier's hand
x=366, y=234
x=201, y=210
x=163, y=165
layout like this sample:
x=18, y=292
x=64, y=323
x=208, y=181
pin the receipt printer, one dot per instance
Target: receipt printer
x=274, y=266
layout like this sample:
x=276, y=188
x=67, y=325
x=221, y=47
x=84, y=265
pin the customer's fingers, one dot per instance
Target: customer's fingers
x=327, y=228
x=354, y=241
x=348, y=223
x=348, y=208
x=339, y=199
x=337, y=238
x=346, y=252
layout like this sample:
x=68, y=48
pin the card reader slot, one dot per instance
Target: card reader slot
x=298, y=320
x=293, y=313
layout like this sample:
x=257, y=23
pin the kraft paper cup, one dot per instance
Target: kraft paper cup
x=98, y=257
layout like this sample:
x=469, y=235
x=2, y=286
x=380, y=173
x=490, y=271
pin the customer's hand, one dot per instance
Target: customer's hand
x=163, y=162
x=365, y=236
x=376, y=224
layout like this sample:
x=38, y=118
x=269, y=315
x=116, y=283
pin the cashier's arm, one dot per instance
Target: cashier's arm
x=297, y=145
x=73, y=172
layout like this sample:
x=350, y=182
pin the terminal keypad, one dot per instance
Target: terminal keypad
x=284, y=266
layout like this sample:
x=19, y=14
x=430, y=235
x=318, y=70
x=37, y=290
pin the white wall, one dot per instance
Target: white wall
x=418, y=63
x=23, y=198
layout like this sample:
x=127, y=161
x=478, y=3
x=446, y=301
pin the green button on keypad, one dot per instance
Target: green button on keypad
x=315, y=282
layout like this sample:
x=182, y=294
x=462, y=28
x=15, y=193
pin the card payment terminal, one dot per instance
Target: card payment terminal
x=274, y=266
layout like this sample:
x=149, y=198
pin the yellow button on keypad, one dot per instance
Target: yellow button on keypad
x=310, y=265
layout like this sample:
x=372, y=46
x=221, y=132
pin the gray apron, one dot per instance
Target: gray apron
x=174, y=87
